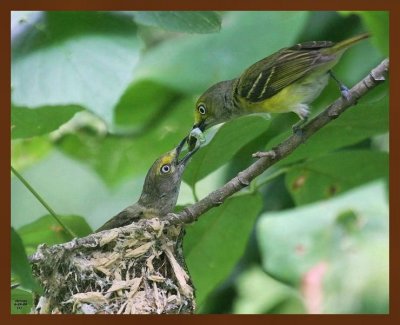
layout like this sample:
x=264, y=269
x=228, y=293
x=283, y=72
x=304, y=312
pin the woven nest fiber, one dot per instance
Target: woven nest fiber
x=137, y=269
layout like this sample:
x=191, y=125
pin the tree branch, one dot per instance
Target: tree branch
x=243, y=179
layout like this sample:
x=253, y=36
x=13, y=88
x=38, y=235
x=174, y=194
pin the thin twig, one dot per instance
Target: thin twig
x=43, y=202
x=243, y=179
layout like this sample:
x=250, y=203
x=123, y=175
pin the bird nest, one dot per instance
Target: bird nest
x=137, y=269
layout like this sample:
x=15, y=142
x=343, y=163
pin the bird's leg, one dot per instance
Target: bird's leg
x=343, y=89
x=297, y=126
x=303, y=113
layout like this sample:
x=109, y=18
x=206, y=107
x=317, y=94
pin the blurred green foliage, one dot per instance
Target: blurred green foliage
x=98, y=96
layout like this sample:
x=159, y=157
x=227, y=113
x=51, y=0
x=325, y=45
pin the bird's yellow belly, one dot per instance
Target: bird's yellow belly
x=291, y=97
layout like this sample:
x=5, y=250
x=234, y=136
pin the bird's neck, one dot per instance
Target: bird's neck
x=230, y=99
x=161, y=203
x=236, y=104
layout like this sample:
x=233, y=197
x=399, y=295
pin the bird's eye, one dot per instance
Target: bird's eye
x=202, y=109
x=165, y=169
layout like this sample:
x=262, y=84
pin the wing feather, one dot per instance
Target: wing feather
x=268, y=76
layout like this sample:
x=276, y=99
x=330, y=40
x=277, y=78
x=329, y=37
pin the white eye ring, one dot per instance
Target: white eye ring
x=202, y=109
x=165, y=168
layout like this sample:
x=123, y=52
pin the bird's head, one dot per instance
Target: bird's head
x=163, y=180
x=213, y=106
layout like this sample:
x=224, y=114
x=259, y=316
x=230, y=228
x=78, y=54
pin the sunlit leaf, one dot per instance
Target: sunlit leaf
x=180, y=21
x=355, y=273
x=83, y=59
x=193, y=63
x=27, y=122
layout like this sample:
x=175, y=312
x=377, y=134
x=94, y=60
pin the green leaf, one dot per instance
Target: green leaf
x=228, y=140
x=193, y=63
x=27, y=152
x=83, y=59
x=271, y=295
x=21, y=301
x=117, y=158
x=181, y=21
x=46, y=230
x=326, y=176
x=368, y=118
x=20, y=265
x=355, y=278
x=214, y=244
x=27, y=122
x=377, y=23
x=144, y=105
x=69, y=187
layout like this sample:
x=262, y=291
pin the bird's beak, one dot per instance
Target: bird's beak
x=201, y=125
x=186, y=158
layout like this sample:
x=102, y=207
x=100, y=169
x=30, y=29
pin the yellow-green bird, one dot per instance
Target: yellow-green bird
x=286, y=81
x=160, y=190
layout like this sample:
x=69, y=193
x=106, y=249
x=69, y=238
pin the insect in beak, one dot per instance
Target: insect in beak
x=186, y=158
x=201, y=126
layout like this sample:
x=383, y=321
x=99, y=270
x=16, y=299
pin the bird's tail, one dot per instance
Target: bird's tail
x=343, y=45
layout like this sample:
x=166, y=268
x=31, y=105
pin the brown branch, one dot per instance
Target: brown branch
x=243, y=179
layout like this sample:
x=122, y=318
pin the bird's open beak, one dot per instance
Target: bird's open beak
x=186, y=158
x=201, y=125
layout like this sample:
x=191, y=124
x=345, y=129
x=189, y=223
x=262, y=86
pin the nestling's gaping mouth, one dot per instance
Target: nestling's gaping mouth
x=186, y=158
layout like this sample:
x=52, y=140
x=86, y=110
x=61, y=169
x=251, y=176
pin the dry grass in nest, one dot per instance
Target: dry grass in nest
x=137, y=269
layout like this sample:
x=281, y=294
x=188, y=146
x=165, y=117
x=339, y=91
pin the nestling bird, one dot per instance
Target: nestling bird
x=160, y=190
x=286, y=81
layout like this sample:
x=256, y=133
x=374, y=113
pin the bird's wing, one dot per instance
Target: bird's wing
x=267, y=77
x=123, y=218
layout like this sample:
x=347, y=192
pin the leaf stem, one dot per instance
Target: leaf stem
x=196, y=198
x=43, y=202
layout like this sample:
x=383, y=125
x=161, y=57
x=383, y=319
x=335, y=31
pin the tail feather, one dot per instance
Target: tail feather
x=343, y=45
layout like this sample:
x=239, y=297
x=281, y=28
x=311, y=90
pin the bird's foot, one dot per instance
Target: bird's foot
x=345, y=92
x=298, y=127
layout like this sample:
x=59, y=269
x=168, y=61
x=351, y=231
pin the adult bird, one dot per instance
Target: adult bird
x=286, y=81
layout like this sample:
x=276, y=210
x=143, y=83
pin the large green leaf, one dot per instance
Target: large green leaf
x=348, y=235
x=368, y=118
x=193, y=63
x=74, y=58
x=144, y=105
x=27, y=122
x=216, y=241
x=117, y=158
x=229, y=139
x=21, y=301
x=180, y=21
x=326, y=176
x=20, y=265
x=258, y=293
x=46, y=230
